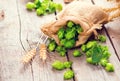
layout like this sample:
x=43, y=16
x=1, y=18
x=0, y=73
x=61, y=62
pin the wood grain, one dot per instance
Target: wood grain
x=112, y=27
x=20, y=31
x=10, y=48
x=84, y=71
x=30, y=34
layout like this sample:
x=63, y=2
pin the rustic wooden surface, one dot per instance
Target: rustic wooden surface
x=20, y=31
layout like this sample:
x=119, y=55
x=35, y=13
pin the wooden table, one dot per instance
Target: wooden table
x=20, y=31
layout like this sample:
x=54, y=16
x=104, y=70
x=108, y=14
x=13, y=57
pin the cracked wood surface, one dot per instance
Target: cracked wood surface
x=30, y=34
x=85, y=71
x=20, y=31
x=112, y=28
x=10, y=47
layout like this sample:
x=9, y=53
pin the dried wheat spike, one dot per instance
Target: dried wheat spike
x=43, y=52
x=27, y=58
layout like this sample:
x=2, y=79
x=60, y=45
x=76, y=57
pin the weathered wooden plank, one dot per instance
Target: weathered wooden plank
x=112, y=27
x=76, y=62
x=114, y=60
x=30, y=24
x=10, y=48
x=84, y=71
x=112, y=31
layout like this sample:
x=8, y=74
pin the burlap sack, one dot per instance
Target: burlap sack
x=87, y=15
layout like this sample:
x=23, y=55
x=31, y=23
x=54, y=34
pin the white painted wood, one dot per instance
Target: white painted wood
x=30, y=25
x=10, y=49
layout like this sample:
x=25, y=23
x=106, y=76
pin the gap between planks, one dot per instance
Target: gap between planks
x=67, y=56
x=34, y=69
x=101, y=73
x=62, y=2
x=11, y=50
x=112, y=43
x=108, y=35
x=21, y=39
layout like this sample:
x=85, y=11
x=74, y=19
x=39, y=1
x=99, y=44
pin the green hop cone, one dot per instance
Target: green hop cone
x=39, y=11
x=61, y=33
x=109, y=67
x=30, y=5
x=58, y=7
x=52, y=45
x=69, y=74
x=101, y=38
x=89, y=60
x=62, y=53
x=83, y=48
x=68, y=64
x=69, y=43
x=103, y=62
x=76, y=53
x=70, y=24
x=89, y=53
x=58, y=65
x=91, y=44
x=62, y=42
